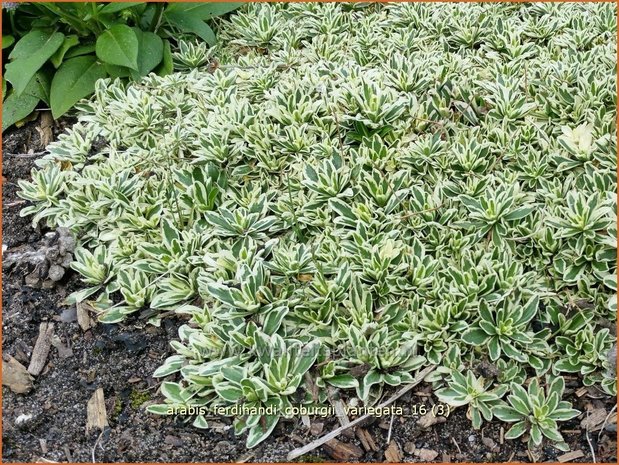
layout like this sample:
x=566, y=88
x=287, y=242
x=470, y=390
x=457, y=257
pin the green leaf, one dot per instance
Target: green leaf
x=7, y=41
x=29, y=55
x=475, y=336
x=307, y=357
x=69, y=42
x=228, y=392
x=506, y=413
x=79, y=296
x=166, y=66
x=117, y=71
x=517, y=430
x=343, y=381
x=536, y=435
x=200, y=422
x=529, y=311
x=189, y=23
x=261, y=431
x=74, y=80
x=519, y=213
x=205, y=10
x=17, y=107
x=160, y=409
x=118, y=6
x=118, y=46
x=80, y=50
x=150, y=52
x=172, y=391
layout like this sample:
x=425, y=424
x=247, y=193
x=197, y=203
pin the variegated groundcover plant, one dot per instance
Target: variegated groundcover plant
x=338, y=195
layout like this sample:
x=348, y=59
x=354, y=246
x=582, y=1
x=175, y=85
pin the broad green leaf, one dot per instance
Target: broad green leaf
x=150, y=52
x=118, y=6
x=166, y=66
x=118, y=46
x=29, y=55
x=203, y=10
x=74, y=80
x=117, y=71
x=80, y=50
x=7, y=41
x=17, y=107
x=69, y=42
x=187, y=22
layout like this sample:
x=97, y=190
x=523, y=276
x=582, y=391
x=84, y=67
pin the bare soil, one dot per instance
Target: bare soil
x=120, y=358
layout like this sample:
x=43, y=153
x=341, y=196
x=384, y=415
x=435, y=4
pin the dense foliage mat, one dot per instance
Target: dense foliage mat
x=341, y=195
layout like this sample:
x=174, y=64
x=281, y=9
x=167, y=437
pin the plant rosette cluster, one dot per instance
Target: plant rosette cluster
x=354, y=193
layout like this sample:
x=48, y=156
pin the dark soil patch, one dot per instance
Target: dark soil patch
x=121, y=358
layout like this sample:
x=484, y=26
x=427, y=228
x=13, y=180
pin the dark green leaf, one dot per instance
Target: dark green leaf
x=118, y=46
x=204, y=10
x=74, y=80
x=69, y=42
x=150, y=52
x=29, y=55
x=118, y=6
x=188, y=22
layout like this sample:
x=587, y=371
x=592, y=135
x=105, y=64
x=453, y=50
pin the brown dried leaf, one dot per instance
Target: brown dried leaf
x=594, y=419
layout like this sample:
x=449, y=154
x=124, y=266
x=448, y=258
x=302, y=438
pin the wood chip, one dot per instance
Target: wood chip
x=581, y=391
x=342, y=451
x=426, y=455
x=316, y=428
x=570, y=456
x=96, y=413
x=15, y=376
x=45, y=128
x=366, y=439
x=393, y=454
x=83, y=317
x=429, y=419
x=490, y=444
x=594, y=420
x=41, y=349
x=64, y=351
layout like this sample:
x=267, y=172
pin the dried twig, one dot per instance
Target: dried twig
x=457, y=445
x=606, y=421
x=589, y=441
x=94, y=448
x=390, y=429
x=24, y=155
x=320, y=441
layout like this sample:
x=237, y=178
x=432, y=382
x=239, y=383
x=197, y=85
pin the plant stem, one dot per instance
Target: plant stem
x=156, y=22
